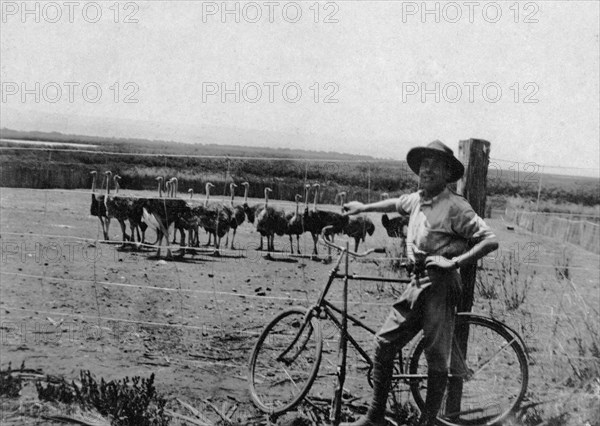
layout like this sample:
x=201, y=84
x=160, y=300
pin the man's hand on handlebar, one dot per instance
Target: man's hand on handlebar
x=352, y=208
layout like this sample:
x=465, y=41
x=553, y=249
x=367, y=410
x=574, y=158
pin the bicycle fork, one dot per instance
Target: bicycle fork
x=336, y=403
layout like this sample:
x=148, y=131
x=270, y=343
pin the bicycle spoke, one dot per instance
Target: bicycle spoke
x=507, y=345
x=285, y=361
x=489, y=391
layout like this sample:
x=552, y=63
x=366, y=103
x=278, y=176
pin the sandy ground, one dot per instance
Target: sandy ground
x=70, y=302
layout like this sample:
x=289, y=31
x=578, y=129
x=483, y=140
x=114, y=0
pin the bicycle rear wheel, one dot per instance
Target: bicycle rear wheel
x=487, y=384
x=285, y=361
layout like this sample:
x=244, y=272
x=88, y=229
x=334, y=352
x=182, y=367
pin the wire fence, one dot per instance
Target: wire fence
x=63, y=286
x=580, y=232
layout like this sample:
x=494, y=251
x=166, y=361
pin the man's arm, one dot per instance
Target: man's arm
x=479, y=250
x=356, y=207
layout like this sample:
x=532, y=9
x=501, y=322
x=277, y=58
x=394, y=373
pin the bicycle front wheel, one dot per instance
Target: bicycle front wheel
x=486, y=384
x=285, y=361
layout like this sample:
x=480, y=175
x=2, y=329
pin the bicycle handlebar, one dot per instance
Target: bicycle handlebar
x=350, y=252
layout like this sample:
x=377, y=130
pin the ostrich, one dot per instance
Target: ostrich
x=238, y=215
x=129, y=208
x=172, y=191
x=120, y=208
x=251, y=211
x=190, y=219
x=97, y=207
x=160, y=213
x=216, y=218
x=357, y=227
x=315, y=220
x=295, y=225
x=270, y=221
x=395, y=227
x=193, y=222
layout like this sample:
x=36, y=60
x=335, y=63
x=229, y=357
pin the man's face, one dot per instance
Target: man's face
x=432, y=174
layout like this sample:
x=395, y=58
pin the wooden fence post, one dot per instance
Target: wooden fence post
x=474, y=154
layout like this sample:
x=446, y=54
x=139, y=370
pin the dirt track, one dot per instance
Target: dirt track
x=70, y=304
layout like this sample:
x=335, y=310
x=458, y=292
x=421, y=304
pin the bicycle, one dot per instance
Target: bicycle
x=486, y=383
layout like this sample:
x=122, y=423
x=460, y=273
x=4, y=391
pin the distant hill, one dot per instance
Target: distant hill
x=283, y=169
x=179, y=148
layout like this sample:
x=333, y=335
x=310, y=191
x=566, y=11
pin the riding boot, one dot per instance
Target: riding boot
x=383, y=367
x=436, y=387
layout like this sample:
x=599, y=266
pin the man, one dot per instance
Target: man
x=441, y=226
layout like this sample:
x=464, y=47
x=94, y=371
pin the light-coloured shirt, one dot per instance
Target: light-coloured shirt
x=443, y=225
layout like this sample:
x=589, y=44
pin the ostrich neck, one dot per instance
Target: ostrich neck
x=94, y=183
x=306, y=197
x=246, y=195
x=207, y=195
x=342, y=201
x=316, y=198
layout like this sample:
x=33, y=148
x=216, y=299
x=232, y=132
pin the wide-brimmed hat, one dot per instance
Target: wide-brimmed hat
x=439, y=150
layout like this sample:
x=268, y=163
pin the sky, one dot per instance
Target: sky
x=375, y=78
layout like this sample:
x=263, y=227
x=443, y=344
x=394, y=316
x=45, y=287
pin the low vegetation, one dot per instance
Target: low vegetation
x=127, y=402
x=364, y=178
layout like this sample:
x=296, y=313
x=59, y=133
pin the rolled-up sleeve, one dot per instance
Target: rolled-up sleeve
x=406, y=203
x=469, y=225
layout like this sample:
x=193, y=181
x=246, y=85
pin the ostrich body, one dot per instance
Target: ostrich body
x=160, y=213
x=216, y=219
x=395, y=227
x=119, y=207
x=238, y=214
x=271, y=221
x=358, y=226
x=315, y=220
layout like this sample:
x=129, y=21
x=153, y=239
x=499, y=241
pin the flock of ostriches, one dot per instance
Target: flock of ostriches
x=218, y=218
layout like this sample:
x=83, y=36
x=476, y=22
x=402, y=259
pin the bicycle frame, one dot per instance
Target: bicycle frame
x=408, y=371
